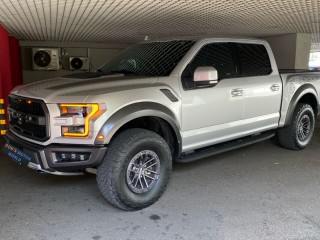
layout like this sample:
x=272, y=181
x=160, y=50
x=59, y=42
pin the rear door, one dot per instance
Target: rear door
x=262, y=87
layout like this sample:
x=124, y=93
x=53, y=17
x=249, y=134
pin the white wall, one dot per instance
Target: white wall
x=291, y=51
x=303, y=50
x=98, y=53
x=283, y=48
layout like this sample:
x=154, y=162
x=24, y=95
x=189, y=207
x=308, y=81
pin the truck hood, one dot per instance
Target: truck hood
x=72, y=89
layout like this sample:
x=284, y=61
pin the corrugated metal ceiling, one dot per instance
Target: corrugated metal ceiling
x=128, y=21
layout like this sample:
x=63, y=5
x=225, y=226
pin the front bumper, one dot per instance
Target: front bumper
x=43, y=157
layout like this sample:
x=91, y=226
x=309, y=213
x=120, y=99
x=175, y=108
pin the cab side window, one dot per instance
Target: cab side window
x=253, y=60
x=217, y=55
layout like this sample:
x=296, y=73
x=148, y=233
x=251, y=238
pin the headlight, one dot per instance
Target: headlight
x=75, y=119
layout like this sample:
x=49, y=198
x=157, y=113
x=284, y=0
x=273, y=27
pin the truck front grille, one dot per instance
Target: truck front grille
x=29, y=118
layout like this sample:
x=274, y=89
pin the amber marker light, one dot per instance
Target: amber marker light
x=29, y=102
x=64, y=110
x=94, y=109
x=100, y=137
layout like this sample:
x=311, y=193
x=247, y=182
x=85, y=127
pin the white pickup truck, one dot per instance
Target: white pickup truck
x=158, y=102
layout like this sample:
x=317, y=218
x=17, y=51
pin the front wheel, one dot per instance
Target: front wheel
x=135, y=170
x=298, y=134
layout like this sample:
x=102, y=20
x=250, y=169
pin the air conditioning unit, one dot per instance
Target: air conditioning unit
x=79, y=63
x=45, y=59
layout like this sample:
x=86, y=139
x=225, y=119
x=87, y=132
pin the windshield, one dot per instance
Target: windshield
x=148, y=59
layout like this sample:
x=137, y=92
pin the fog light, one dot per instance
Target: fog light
x=64, y=156
x=71, y=156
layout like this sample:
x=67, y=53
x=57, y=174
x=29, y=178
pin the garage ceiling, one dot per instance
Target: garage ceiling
x=128, y=21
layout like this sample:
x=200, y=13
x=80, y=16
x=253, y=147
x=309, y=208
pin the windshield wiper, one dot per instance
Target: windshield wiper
x=125, y=72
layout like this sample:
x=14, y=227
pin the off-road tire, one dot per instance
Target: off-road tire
x=288, y=136
x=111, y=174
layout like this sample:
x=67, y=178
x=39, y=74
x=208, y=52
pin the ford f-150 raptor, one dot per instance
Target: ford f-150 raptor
x=158, y=102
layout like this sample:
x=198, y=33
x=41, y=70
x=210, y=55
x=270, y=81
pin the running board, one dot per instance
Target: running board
x=224, y=147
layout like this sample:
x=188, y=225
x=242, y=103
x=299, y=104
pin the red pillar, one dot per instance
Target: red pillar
x=5, y=64
x=15, y=62
x=1, y=95
x=10, y=65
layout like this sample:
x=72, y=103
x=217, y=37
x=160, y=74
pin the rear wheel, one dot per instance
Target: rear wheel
x=298, y=134
x=135, y=170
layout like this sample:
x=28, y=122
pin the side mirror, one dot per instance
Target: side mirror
x=204, y=76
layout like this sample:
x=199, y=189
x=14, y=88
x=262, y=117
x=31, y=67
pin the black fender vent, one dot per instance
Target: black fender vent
x=169, y=95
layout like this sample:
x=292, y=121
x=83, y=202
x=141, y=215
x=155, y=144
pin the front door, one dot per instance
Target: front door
x=213, y=114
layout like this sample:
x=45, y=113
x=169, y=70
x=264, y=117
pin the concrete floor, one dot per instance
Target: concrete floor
x=258, y=192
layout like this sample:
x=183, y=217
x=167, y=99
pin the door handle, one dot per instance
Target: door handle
x=237, y=92
x=275, y=87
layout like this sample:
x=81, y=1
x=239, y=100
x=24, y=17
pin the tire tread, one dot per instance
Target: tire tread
x=287, y=135
x=111, y=165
